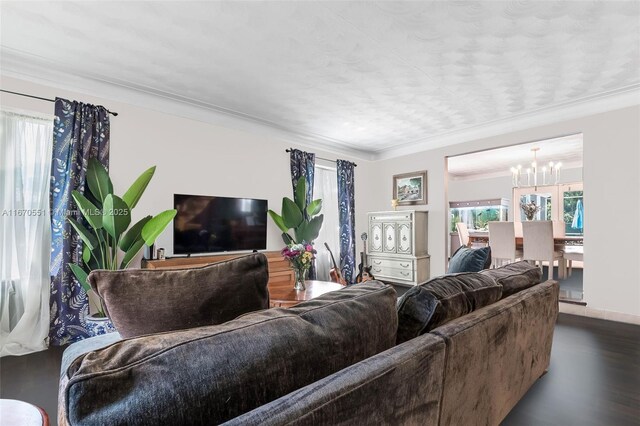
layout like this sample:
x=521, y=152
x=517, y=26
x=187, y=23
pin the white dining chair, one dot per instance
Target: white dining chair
x=572, y=253
x=463, y=233
x=538, y=245
x=502, y=240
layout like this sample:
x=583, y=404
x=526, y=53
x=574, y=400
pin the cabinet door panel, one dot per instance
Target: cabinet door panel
x=375, y=241
x=405, y=245
x=389, y=234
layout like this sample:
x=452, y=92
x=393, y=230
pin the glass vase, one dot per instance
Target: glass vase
x=300, y=277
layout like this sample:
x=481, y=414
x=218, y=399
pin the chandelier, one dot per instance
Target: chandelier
x=549, y=174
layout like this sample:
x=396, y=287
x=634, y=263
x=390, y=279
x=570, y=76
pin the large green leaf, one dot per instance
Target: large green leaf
x=87, y=236
x=314, y=208
x=116, y=216
x=98, y=180
x=86, y=254
x=154, y=227
x=287, y=239
x=300, y=193
x=291, y=214
x=91, y=213
x=81, y=276
x=133, y=194
x=133, y=234
x=277, y=219
x=308, y=231
x=131, y=253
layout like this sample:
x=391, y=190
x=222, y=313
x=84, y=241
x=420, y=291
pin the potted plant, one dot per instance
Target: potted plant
x=109, y=242
x=305, y=220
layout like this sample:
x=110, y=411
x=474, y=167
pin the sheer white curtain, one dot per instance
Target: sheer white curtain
x=25, y=232
x=325, y=186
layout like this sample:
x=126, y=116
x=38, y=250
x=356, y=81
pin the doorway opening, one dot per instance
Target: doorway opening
x=532, y=181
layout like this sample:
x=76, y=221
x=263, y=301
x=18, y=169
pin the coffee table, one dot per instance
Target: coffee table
x=14, y=412
x=283, y=295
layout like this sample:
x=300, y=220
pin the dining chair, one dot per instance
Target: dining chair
x=463, y=233
x=502, y=240
x=572, y=253
x=538, y=245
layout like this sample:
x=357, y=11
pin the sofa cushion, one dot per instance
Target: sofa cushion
x=515, y=277
x=215, y=373
x=438, y=301
x=145, y=301
x=467, y=259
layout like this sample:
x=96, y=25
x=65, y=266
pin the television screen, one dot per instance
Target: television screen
x=215, y=224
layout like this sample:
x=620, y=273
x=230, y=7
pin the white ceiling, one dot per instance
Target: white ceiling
x=366, y=76
x=498, y=162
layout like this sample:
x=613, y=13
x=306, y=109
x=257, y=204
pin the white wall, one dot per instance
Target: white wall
x=192, y=157
x=200, y=158
x=611, y=185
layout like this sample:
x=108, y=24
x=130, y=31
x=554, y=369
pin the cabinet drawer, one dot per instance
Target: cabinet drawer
x=392, y=273
x=400, y=264
x=391, y=216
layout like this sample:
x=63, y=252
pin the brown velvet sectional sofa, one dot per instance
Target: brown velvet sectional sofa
x=330, y=361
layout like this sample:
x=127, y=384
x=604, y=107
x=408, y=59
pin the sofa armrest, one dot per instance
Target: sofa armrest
x=495, y=354
x=85, y=346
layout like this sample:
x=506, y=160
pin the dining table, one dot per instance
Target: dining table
x=568, y=240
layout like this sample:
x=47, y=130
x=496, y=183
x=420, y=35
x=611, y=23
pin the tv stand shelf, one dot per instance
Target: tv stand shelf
x=280, y=271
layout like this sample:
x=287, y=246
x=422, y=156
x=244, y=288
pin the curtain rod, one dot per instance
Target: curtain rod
x=320, y=158
x=45, y=99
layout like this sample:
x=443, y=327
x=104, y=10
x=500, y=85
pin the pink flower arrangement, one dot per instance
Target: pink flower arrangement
x=299, y=255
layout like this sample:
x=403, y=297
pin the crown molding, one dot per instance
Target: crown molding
x=609, y=101
x=23, y=66
x=38, y=70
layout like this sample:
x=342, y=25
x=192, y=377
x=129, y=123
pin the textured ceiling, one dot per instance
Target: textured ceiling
x=496, y=162
x=371, y=76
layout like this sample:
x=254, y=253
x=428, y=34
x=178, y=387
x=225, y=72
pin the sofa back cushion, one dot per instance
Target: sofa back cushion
x=515, y=277
x=215, y=373
x=467, y=259
x=145, y=301
x=438, y=301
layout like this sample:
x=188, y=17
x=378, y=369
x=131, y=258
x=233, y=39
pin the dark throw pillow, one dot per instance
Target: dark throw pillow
x=146, y=301
x=467, y=259
x=515, y=277
x=209, y=375
x=442, y=299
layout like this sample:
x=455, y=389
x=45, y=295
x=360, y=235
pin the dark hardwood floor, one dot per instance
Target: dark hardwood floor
x=594, y=378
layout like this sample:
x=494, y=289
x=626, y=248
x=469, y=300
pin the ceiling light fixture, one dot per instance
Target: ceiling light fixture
x=550, y=172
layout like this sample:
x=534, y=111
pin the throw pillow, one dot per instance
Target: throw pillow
x=215, y=373
x=442, y=299
x=515, y=277
x=145, y=301
x=467, y=259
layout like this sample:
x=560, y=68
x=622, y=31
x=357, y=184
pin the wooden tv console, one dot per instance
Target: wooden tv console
x=280, y=272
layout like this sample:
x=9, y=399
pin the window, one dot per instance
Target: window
x=25, y=229
x=325, y=187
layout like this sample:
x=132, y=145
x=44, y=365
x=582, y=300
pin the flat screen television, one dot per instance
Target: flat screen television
x=217, y=224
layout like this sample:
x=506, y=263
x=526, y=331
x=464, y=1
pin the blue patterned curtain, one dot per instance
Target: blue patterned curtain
x=347, y=220
x=303, y=164
x=80, y=132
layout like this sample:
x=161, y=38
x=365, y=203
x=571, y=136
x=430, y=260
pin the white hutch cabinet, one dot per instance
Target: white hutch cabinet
x=397, y=246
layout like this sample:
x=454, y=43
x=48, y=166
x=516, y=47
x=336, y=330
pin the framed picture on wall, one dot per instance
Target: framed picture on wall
x=410, y=189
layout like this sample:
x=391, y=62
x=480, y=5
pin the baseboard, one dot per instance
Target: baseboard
x=584, y=311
